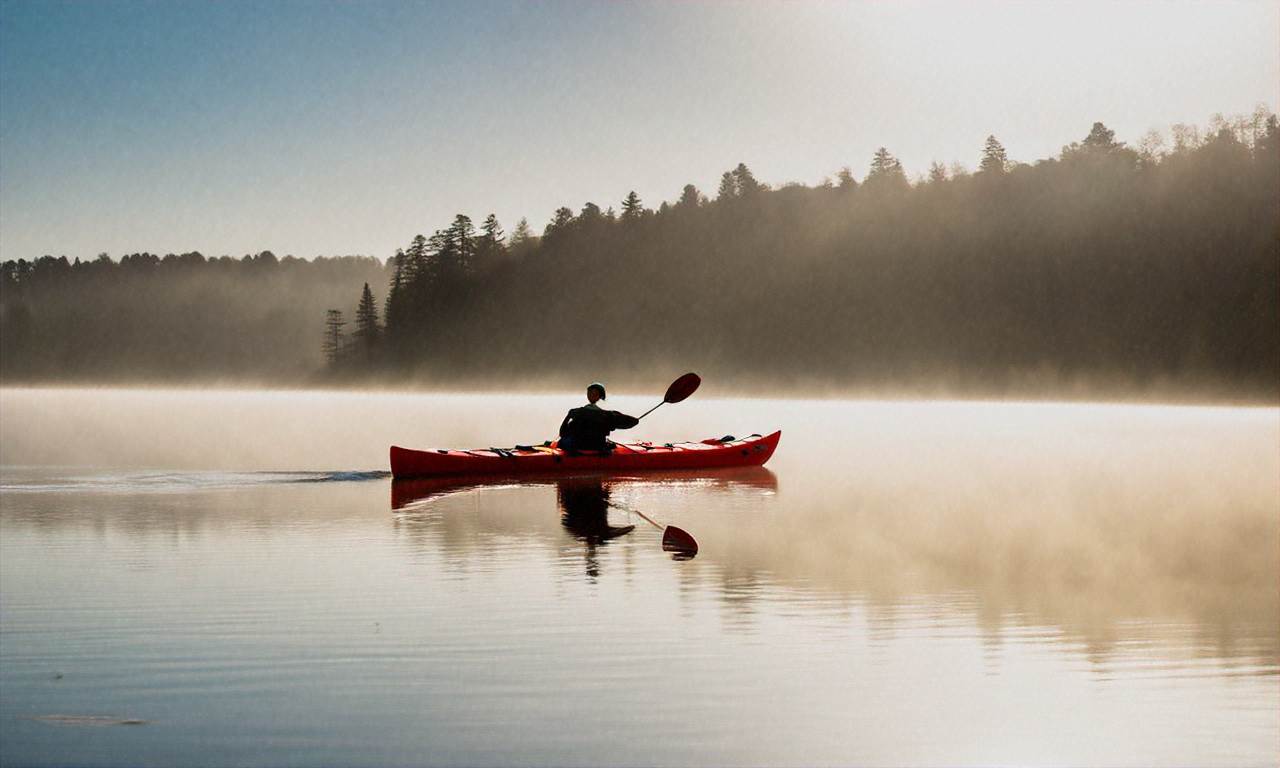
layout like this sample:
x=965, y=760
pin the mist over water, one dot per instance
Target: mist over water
x=905, y=582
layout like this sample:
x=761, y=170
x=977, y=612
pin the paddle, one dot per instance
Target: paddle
x=680, y=389
x=673, y=539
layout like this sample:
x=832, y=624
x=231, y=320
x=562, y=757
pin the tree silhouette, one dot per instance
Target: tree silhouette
x=395, y=309
x=367, y=329
x=994, y=158
x=1100, y=139
x=689, y=197
x=462, y=244
x=522, y=238
x=490, y=242
x=886, y=172
x=334, y=340
x=744, y=181
x=632, y=209
x=559, y=224
x=728, y=187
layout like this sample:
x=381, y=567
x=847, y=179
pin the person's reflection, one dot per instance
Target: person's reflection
x=584, y=512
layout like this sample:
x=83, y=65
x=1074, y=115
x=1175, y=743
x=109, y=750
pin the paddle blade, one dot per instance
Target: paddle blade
x=682, y=387
x=678, y=540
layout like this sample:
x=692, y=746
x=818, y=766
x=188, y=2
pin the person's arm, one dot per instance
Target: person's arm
x=620, y=420
x=565, y=424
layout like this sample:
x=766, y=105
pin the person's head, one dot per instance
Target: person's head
x=595, y=391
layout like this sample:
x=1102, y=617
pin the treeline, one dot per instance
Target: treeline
x=1130, y=268
x=1108, y=266
x=180, y=317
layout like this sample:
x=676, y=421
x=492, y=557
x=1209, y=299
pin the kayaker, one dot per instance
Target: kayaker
x=587, y=427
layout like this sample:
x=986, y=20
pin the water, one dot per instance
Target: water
x=230, y=578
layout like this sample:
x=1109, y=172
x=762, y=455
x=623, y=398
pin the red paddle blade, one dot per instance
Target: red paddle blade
x=682, y=387
x=678, y=540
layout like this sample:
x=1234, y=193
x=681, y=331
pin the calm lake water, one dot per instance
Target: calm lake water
x=906, y=583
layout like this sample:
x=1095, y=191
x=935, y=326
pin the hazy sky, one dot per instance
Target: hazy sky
x=327, y=128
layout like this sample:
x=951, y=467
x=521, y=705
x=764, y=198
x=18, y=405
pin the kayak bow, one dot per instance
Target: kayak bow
x=627, y=457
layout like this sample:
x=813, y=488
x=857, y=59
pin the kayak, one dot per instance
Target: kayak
x=626, y=457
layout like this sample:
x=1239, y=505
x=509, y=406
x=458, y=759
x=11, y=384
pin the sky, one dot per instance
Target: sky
x=326, y=128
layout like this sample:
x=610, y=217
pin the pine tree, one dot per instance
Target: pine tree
x=492, y=229
x=462, y=238
x=886, y=172
x=745, y=181
x=490, y=242
x=632, y=209
x=521, y=236
x=689, y=197
x=334, y=339
x=1100, y=139
x=560, y=222
x=728, y=187
x=417, y=270
x=393, y=310
x=367, y=330
x=441, y=261
x=994, y=158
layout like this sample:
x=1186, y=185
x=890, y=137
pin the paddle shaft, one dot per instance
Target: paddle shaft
x=642, y=515
x=651, y=410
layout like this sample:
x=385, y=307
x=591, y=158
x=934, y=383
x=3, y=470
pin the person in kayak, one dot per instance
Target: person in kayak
x=587, y=428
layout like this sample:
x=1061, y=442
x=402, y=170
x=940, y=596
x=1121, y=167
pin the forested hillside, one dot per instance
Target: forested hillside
x=1129, y=268
x=147, y=318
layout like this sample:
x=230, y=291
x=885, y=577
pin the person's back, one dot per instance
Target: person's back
x=587, y=428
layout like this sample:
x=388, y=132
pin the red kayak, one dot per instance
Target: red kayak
x=626, y=457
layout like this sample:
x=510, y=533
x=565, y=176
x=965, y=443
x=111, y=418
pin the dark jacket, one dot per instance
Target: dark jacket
x=586, y=428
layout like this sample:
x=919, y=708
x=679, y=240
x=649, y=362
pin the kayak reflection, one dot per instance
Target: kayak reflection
x=405, y=493
x=584, y=502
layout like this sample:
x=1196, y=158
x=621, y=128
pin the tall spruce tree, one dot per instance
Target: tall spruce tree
x=394, y=310
x=417, y=270
x=728, y=187
x=367, y=330
x=994, y=159
x=462, y=239
x=886, y=172
x=560, y=223
x=745, y=181
x=522, y=237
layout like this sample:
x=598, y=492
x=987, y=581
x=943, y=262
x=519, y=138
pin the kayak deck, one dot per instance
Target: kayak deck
x=746, y=452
